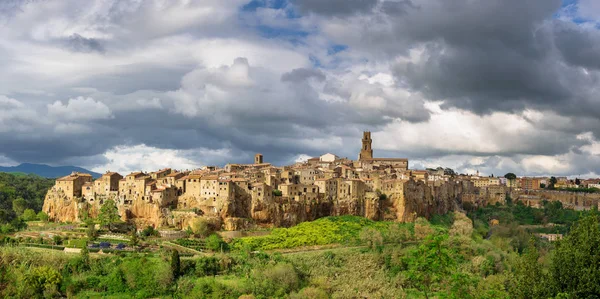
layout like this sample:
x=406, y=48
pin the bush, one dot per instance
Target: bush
x=328, y=230
x=202, y=227
x=371, y=237
x=310, y=293
x=207, y=266
x=275, y=281
x=149, y=231
x=42, y=216
x=29, y=215
x=43, y=280
x=215, y=243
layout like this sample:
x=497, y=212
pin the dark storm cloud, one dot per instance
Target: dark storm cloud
x=579, y=47
x=335, y=7
x=298, y=75
x=78, y=43
x=491, y=55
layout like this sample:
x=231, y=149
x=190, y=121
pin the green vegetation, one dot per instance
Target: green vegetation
x=580, y=190
x=328, y=230
x=451, y=256
x=109, y=214
x=21, y=197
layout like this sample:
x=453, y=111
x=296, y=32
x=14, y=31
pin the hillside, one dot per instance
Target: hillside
x=46, y=170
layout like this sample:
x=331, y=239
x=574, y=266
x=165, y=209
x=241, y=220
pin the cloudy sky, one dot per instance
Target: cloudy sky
x=488, y=85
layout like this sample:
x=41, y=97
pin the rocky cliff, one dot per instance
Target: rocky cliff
x=242, y=211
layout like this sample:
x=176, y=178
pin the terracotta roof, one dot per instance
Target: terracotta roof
x=74, y=176
x=110, y=174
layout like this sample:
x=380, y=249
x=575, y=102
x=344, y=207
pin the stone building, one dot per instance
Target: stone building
x=72, y=185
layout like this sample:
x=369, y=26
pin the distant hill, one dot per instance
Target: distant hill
x=46, y=170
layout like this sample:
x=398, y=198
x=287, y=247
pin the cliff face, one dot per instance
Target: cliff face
x=59, y=207
x=420, y=200
x=242, y=211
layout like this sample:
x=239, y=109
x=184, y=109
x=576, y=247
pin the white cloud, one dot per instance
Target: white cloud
x=79, y=109
x=126, y=159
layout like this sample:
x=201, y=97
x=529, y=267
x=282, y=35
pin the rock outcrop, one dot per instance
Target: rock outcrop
x=243, y=212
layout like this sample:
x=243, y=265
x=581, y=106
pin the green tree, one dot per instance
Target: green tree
x=429, y=264
x=91, y=231
x=202, y=228
x=215, y=243
x=175, y=263
x=42, y=216
x=552, y=182
x=133, y=239
x=109, y=214
x=42, y=280
x=575, y=267
x=510, y=176
x=371, y=237
x=85, y=256
x=29, y=215
x=207, y=266
x=528, y=279
x=57, y=240
x=19, y=205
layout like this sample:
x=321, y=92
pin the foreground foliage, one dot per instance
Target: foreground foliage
x=453, y=256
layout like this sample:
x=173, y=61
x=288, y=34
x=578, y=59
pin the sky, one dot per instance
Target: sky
x=493, y=86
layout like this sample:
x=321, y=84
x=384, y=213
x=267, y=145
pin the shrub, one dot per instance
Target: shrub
x=29, y=215
x=43, y=279
x=42, y=216
x=371, y=237
x=275, y=281
x=214, y=242
x=202, y=227
x=310, y=293
x=149, y=231
x=207, y=266
x=328, y=230
x=175, y=263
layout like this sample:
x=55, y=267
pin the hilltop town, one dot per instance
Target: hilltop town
x=242, y=196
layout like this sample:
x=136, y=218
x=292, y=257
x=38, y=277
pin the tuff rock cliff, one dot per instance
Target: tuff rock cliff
x=242, y=211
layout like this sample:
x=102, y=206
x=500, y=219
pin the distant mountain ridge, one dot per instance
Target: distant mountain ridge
x=47, y=171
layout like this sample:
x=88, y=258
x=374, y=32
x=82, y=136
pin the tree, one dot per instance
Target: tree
x=428, y=264
x=133, y=239
x=91, y=231
x=19, y=205
x=577, y=181
x=149, y=231
x=529, y=280
x=109, y=214
x=57, y=240
x=214, y=242
x=42, y=216
x=29, y=215
x=85, y=256
x=510, y=176
x=202, y=228
x=207, y=266
x=175, y=264
x=371, y=237
x=553, y=182
x=575, y=266
x=277, y=192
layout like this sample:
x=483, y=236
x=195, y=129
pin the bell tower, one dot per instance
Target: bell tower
x=366, y=152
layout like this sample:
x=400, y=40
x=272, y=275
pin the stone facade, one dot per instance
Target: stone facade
x=241, y=196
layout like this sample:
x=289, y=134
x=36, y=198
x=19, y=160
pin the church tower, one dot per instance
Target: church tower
x=366, y=151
